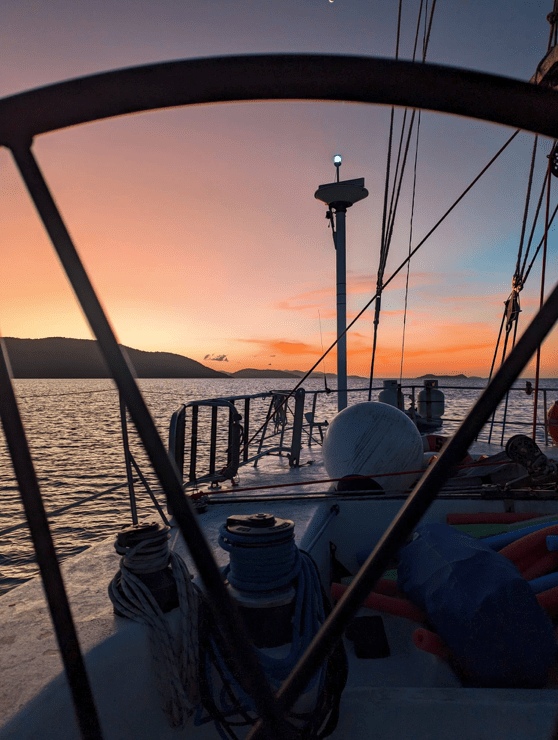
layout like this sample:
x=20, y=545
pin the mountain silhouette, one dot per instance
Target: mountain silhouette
x=59, y=357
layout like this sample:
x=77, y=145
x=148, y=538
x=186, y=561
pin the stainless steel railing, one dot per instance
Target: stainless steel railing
x=226, y=444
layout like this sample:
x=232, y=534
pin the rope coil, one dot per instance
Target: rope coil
x=174, y=653
x=148, y=556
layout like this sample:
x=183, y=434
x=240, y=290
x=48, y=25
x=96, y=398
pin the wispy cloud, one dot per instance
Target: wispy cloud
x=363, y=284
x=284, y=346
x=448, y=349
x=216, y=358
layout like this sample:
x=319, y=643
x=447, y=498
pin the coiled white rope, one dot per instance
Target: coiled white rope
x=175, y=656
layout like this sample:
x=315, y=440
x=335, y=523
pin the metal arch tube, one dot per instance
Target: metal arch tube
x=279, y=77
x=60, y=612
x=224, y=610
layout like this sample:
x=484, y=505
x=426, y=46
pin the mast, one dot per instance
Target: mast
x=339, y=196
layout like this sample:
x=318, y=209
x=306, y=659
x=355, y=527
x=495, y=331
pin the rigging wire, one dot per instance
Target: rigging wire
x=327, y=390
x=393, y=206
x=397, y=271
x=512, y=304
x=543, y=272
x=387, y=230
x=385, y=209
x=386, y=239
x=223, y=493
x=424, y=49
x=410, y=246
x=512, y=307
x=419, y=245
x=526, y=211
x=524, y=280
x=517, y=281
x=541, y=243
x=535, y=220
x=427, y=38
x=508, y=391
x=519, y=278
x=385, y=252
x=497, y=345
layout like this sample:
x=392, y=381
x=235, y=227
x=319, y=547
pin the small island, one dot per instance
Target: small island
x=251, y=372
x=459, y=376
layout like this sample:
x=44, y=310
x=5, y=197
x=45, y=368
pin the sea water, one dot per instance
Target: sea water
x=74, y=433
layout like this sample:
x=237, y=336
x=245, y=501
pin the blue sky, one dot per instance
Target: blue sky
x=231, y=231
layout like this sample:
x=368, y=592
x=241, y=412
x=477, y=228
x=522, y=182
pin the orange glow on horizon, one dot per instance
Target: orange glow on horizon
x=193, y=251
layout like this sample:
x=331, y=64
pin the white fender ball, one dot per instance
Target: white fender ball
x=370, y=438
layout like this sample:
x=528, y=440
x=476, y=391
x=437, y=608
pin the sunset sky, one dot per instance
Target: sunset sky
x=199, y=226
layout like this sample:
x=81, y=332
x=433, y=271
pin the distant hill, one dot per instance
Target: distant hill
x=450, y=377
x=251, y=372
x=443, y=377
x=58, y=357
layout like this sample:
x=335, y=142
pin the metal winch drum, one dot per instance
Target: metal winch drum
x=264, y=561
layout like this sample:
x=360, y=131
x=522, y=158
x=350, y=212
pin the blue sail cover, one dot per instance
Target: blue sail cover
x=479, y=603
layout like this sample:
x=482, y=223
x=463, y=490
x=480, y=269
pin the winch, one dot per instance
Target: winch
x=277, y=588
x=264, y=560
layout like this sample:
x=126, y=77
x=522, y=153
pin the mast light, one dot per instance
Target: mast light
x=337, y=162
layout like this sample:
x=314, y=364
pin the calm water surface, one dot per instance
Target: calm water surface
x=73, y=427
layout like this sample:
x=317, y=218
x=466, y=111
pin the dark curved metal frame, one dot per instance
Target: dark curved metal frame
x=250, y=78
x=279, y=77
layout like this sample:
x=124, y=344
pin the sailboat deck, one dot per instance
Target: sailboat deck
x=400, y=692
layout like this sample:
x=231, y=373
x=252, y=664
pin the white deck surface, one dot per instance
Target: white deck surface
x=376, y=703
x=29, y=656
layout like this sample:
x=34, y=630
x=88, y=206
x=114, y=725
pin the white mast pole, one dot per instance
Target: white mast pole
x=341, y=279
x=339, y=196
